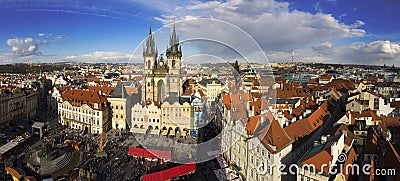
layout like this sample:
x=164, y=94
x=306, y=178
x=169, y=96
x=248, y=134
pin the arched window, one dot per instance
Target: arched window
x=173, y=64
x=148, y=64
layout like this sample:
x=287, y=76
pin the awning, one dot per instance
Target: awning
x=170, y=173
x=172, y=132
x=183, y=133
x=165, y=132
x=150, y=153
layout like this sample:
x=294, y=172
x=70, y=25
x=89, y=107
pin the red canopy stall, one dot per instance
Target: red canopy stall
x=170, y=173
x=166, y=155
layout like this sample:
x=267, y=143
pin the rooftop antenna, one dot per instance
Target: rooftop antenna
x=292, y=56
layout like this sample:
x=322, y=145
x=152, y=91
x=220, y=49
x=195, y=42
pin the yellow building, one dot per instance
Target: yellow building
x=211, y=88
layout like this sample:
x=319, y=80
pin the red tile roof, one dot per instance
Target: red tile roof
x=252, y=124
x=86, y=96
x=105, y=90
x=391, y=159
x=372, y=141
x=325, y=77
x=368, y=113
x=306, y=126
x=389, y=122
x=276, y=138
x=318, y=159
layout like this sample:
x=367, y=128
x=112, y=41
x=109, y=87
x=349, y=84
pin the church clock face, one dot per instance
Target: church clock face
x=161, y=63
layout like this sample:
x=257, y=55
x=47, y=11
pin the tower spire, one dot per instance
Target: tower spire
x=150, y=49
x=173, y=41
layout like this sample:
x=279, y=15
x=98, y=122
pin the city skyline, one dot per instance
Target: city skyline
x=109, y=31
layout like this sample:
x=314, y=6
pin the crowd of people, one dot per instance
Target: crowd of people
x=110, y=161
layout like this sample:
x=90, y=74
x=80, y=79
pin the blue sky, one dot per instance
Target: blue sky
x=331, y=31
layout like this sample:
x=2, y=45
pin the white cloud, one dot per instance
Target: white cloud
x=100, y=56
x=326, y=48
x=25, y=47
x=60, y=38
x=317, y=7
x=41, y=34
x=375, y=52
x=206, y=5
x=357, y=24
x=378, y=47
x=272, y=24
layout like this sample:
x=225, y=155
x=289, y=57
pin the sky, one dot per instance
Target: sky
x=325, y=31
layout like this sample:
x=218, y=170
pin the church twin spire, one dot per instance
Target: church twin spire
x=150, y=49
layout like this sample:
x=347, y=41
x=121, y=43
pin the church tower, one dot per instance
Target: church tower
x=150, y=58
x=149, y=53
x=161, y=79
x=174, y=55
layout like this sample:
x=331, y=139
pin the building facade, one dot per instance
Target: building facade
x=18, y=104
x=120, y=107
x=85, y=110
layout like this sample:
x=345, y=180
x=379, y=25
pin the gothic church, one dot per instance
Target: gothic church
x=162, y=78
